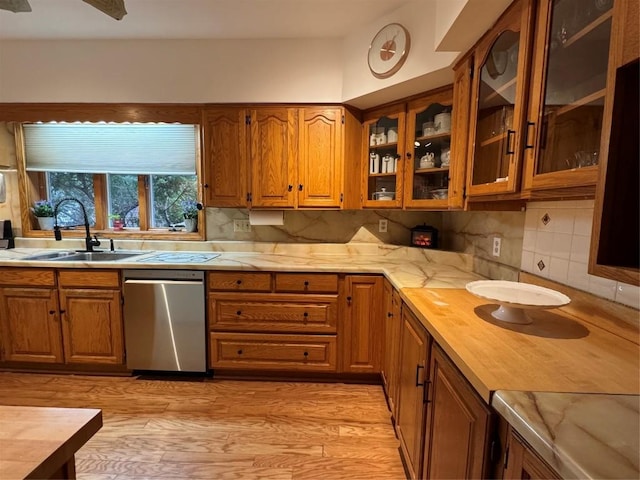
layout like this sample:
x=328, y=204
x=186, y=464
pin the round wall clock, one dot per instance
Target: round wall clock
x=388, y=50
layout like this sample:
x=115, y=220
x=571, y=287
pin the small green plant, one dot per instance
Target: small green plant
x=42, y=208
x=114, y=216
x=190, y=209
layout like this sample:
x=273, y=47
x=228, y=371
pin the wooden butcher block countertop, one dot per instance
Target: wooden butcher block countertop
x=35, y=442
x=556, y=353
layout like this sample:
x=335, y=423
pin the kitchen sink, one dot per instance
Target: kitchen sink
x=86, y=256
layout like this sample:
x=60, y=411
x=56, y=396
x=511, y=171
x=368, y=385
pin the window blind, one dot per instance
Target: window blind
x=161, y=149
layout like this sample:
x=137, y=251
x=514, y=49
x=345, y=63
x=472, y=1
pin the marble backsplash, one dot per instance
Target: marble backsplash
x=473, y=233
x=307, y=226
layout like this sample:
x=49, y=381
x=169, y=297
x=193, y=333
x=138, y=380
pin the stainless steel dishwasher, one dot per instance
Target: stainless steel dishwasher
x=164, y=320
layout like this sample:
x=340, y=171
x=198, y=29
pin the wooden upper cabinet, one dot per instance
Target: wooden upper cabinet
x=320, y=166
x=499, y=93
x=460, y=131
x=616, y=221
x=383, y=157
x=274, y=157
x=30, y=325
x=574, y=69
x=428, y=151
x=225, y=153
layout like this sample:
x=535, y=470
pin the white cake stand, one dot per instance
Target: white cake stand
x=515, y=297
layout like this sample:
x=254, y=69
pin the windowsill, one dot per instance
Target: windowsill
x=134, y=234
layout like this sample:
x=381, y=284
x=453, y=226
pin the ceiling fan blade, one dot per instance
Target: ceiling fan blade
x=113, y=8
x=15, y=6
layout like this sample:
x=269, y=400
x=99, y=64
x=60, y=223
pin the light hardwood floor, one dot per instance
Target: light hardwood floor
x=222, y=429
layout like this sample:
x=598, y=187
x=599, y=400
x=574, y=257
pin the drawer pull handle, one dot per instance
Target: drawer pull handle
x=238, y=282
x=239, y=352
x=239, y=312
x=306, y=283
x=62, y=311
x=418, y=384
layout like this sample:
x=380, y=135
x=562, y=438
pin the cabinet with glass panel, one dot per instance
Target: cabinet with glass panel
x=428, y=151
x=498, y=103
x=384, y=139
x=568, y=93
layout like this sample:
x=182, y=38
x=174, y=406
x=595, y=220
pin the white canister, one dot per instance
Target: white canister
x=387, y=164
x=392, y=135
x=445, y=157
x=442, y=122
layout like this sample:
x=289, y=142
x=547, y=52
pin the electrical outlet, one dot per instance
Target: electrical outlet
x=241, y=226
x=382, y=226
x=497, y=244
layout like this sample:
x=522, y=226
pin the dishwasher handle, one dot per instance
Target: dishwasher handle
x=132, y=281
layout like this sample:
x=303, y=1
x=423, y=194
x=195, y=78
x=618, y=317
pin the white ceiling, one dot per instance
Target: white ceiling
x=195, y=19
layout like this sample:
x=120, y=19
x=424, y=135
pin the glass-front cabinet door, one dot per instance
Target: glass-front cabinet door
x=428, y=151
x=498, y=103
x=567, y=100
x=384, y=139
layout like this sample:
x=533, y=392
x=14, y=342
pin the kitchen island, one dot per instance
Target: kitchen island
x=40, y=442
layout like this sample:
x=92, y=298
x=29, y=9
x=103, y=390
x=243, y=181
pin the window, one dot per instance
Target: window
x=140, y=173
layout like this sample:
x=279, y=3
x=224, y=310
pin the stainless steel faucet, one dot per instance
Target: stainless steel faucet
x=89, y=242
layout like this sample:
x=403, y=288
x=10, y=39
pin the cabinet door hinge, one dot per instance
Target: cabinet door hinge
x=343, y=119
x=247, y=120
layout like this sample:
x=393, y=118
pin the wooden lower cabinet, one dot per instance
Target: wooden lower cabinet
x=392, y=330
x=30, y=324
x=249, y=351
x=44, y=324
x=92, y=326
x=413, y=378
x=522, y=463
x=362, y=324
x=457, y=426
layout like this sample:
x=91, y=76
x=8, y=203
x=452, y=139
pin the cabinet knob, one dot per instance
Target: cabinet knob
x=239, y=352
x=206, y=185
x=238, y=282
x=408, y=155
x=300, y=187
x=389, y=314
x=290, y=188
x=305, y=314
x=306, y=283
x=306, y=354
x=349, y=300
x=239, y=312
x=62, y=311
x=51, y=312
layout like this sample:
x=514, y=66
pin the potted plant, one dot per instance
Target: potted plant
x=117, y=222
x=190, y=212
x=43, y=210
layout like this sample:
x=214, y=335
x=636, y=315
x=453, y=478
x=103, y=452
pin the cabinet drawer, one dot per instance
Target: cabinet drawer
x=273, y=352
x=28, y=277
x=240, y=281
x=89, y=278
x=307, y=282
x=273, y=313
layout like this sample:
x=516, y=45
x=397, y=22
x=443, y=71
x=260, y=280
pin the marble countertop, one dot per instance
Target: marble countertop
x=403, y=266
x=579, y=435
